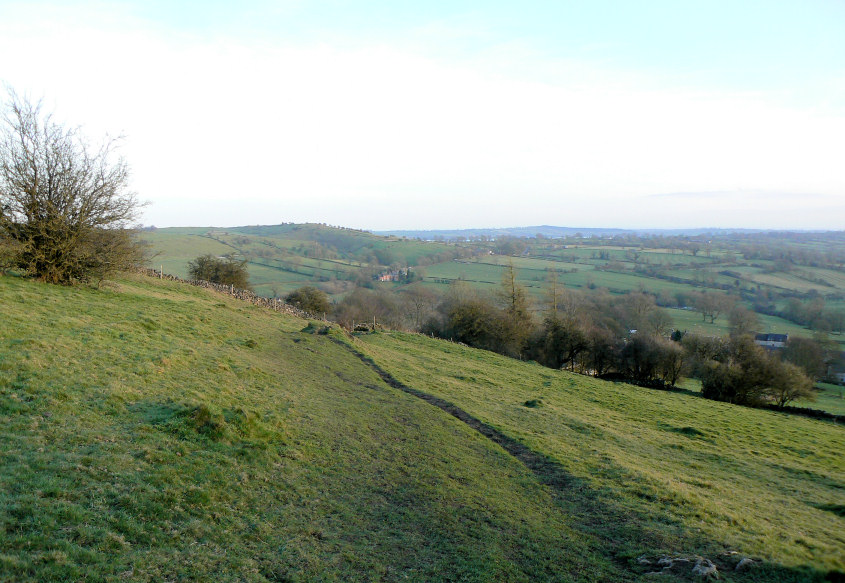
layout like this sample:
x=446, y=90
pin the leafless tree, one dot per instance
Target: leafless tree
x=64, y=207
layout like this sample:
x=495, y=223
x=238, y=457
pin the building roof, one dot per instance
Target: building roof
x=771, y=337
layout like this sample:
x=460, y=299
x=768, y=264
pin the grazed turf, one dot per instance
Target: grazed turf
x=152, y=431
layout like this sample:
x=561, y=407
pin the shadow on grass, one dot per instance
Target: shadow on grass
x=633, y=541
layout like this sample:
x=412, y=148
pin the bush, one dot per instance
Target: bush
x=750, y=376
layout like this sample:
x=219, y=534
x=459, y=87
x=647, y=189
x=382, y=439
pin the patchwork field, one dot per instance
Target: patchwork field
x=285, y=257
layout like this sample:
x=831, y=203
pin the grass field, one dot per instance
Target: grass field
x=830, y=398
x=285, y=257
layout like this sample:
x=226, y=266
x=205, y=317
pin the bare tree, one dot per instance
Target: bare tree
x=712, y=304
x=553, y=290
x=418, y=305
x=64, y=208
x=743, y=320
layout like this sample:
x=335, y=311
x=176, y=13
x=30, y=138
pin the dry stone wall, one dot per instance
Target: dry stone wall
x=244, y=295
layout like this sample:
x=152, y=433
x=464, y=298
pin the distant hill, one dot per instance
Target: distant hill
x=552, y=232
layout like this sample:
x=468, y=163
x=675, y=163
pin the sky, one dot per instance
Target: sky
x=460, y=114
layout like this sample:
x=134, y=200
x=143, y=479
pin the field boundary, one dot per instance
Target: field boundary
x=245, y=295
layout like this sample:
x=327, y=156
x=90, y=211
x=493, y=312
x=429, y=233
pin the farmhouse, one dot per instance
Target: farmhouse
x=395, y=275
x=771, y=340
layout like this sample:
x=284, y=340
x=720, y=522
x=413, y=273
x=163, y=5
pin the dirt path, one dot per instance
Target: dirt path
x=549, y=471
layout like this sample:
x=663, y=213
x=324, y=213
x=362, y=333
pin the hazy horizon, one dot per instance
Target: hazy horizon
x=497, y=228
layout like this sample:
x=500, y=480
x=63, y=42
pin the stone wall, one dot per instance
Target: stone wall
x=244, y=295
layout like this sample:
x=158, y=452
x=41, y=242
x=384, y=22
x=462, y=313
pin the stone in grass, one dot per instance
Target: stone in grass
x=705, y=568
x=668, y=562
x=744, y=564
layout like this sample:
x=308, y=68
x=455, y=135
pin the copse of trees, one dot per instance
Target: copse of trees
x=589, y=333
x=310, y=299
x=746, y=374
x=224, y=270
x=65, y=208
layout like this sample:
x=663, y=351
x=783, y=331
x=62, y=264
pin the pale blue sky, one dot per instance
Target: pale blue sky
x=455, y=114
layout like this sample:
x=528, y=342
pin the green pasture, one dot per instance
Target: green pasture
x=835, y=278
x=469, y=271
x=152, y=431
x=691, y=321
x=535, y=264
x=489, y=276
x=781, y=280
x=829, y=397
x=173, y=251
x=616, y=253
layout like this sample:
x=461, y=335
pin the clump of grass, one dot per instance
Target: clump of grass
x=199, y=419
x=837, y=509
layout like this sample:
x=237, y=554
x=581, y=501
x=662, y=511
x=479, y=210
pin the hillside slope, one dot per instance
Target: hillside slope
x=652, y=469
x=153, y=431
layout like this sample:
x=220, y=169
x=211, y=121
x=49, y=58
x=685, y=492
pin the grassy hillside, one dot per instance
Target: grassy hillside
x=153, y=431
x=669, y=468
x=285, y=257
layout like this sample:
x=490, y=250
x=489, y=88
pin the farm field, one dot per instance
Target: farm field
x=829, y=397
x=691, y=321
x=282, y=258
x=355, y=250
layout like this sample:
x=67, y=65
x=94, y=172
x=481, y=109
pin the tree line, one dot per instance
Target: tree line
x=619, y=337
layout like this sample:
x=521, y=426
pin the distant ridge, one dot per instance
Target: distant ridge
x=553, y=232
